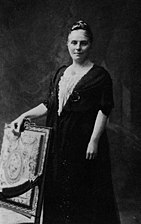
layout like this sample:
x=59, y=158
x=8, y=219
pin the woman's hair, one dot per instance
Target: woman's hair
x=81, y=25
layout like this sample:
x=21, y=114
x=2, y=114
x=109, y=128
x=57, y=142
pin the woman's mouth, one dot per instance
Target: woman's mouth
x=78, y=53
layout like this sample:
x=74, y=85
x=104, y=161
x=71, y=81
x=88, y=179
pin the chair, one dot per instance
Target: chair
x=23, y=162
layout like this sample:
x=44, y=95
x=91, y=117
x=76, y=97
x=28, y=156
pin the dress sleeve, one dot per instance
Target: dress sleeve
x=107, y=101
x=46, y=100
x=52, y=84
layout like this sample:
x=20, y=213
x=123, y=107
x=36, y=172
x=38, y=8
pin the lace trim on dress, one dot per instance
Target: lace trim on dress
x=66, y=86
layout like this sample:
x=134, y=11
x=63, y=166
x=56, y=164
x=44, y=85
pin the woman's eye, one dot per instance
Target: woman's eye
x=84, y=43
x=74, y=42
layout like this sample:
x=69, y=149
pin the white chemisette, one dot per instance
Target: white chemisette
x=66, y=85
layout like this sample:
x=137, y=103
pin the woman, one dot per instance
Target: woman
x=78, y=188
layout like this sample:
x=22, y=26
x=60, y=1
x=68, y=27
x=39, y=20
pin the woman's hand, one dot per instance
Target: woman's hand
x=92, y=150
x=18, y=124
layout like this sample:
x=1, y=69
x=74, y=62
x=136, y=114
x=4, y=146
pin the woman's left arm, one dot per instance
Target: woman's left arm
x=99, y=127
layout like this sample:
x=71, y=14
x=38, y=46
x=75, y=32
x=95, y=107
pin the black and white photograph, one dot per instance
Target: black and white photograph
x=70, y=112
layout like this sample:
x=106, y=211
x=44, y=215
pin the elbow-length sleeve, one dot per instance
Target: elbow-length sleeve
x=107, y=101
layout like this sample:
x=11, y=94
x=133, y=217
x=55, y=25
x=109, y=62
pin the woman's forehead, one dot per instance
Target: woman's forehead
x=78, y=35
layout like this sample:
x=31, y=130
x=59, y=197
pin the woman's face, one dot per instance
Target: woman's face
x=78, y=45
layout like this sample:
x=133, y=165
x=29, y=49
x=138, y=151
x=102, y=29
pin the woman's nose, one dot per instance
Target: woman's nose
x=78, y=46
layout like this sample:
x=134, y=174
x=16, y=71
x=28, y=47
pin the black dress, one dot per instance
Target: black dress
x=79, y=191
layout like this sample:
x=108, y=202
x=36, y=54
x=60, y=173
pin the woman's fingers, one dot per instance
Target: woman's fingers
x=92, y=150
x=90, y=156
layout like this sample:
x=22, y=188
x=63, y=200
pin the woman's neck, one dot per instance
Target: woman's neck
x=79, y=68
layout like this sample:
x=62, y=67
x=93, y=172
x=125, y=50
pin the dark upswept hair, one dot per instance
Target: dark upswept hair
x=81, y=25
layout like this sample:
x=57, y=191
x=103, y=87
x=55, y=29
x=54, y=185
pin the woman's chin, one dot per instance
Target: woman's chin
x=79, y=60
x=78, y=57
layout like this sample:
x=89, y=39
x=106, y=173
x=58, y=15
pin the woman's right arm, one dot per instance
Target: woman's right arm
x=36, y=112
